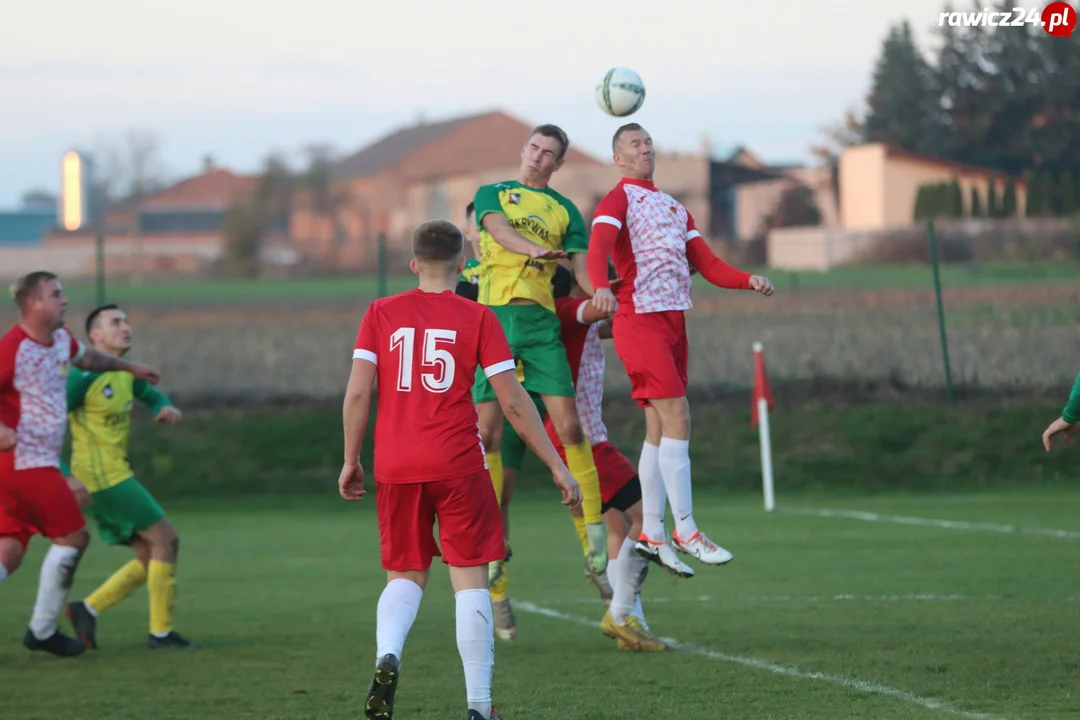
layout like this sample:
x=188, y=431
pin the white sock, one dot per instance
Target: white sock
x=3, y=573
x=57, y=574
x=398, y=604
x=613, y=565
x=632, y=571
x=639, y=611
x=476, y=645
x=675, y=469
x=653, y=493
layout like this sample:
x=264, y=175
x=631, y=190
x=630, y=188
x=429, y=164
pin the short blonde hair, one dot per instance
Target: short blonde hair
x=27, y=287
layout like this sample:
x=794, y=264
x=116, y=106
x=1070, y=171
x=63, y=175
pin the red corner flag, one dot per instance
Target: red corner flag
x=761, y=384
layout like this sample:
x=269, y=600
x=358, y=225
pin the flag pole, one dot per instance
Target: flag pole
x=762, y=403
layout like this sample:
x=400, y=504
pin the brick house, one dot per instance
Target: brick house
x=426, y=171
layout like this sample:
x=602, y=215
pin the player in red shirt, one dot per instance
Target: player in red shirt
x=651, y=236
x=583, y=327
x=35, y=498
x=424, y=346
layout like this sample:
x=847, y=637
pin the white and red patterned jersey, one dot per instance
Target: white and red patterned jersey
x=33, y=394
x=650, y=235
x=585, y=354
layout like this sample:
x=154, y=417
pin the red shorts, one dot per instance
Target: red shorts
x=654, y=349
x=614, y=469
x=470, y=522
x=37, y=502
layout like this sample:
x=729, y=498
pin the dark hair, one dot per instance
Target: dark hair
x=437, y=241
x=92, y=318
x=561, y=282
x=27, y=287
x=470, y=209
x=628, y=127
x=553, y=131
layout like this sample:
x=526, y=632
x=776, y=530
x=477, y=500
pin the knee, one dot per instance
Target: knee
x=11, y=554
x=568, y=428
x=79, y=540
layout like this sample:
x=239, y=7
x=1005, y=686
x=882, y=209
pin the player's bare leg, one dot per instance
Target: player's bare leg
x=396, y=613
x=490, y=421
x=653, y=543
x=11, y=555
x=579, y=459
x=475, y=638
x=57, y=574
x=674, y=461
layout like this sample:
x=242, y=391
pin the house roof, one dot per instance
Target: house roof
x=393, y=148
x=964, y=168
x=217, y=188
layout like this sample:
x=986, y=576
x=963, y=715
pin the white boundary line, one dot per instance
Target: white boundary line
x=865, y=686
x=934, y=522
x=825, y=598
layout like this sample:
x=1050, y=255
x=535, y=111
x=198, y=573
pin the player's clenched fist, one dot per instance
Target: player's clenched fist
x=571, y=491
x=7, y=438
x=604, y=301
x=351, y=482
x=761, y=284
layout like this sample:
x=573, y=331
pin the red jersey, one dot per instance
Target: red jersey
x=33, y=395
x=426, y=348
x=651, y=236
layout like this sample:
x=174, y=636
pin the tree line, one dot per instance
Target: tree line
x=1005, y=98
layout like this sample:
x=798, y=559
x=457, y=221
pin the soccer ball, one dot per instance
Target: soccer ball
x=621, y=92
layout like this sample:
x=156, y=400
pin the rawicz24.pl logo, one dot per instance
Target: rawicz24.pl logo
x=1057, y=18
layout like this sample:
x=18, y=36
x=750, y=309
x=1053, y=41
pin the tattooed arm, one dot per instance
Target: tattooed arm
x=96, y=361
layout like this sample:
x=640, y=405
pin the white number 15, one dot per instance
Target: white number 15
x=434, y=357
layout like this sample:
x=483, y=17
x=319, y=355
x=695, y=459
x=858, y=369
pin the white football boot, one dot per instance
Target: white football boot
x=702, y=548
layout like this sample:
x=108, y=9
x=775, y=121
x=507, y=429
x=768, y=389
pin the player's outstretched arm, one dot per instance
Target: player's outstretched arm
x=1068, y=422
x=94, y=360
x=719, y=273
x=510, y=239
x=519, y=409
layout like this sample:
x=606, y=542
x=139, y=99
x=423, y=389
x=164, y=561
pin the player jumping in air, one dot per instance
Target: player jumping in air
x=650, y=236
x=99, y=407
x=1067, y=423
x=425, y=346
x=583, y=326
x=524, y=228
x=36, y=356
x=470, y=276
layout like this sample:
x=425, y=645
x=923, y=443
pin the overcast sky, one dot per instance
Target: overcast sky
x=239, y=78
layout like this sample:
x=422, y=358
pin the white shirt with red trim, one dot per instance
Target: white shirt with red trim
x=650, y=249
x=33, y=393
x=585, y=353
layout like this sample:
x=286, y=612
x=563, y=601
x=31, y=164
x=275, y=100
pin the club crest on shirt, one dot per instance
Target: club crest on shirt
x=107, y=391
x=514, y=198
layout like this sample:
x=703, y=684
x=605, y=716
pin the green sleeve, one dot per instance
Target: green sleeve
x=78, y=383
x=487, y=201
x=1071, y=413
x=65, y=469
x=151, y=396
x=576, y=240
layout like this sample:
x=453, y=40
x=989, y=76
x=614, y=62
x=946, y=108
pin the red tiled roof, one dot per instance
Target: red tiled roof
x=216, y=188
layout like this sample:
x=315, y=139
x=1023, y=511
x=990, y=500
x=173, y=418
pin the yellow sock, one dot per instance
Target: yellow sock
x=579, y=525
x=122, y=583
x=161, y=583
x=579, y=460
x=500, y=588
x=494, y=461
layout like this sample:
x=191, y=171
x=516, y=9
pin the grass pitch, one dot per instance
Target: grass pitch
x=886, y=606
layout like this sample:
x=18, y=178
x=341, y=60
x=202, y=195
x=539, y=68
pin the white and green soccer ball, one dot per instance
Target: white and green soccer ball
x=620, y=92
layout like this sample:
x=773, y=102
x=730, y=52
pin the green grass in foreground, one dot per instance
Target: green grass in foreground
x=816, y=619
x=817, y=447
x=218, y=290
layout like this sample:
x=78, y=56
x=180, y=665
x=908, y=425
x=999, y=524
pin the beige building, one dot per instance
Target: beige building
x=879, y=185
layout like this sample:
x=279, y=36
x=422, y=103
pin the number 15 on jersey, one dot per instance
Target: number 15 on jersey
x=434, y=356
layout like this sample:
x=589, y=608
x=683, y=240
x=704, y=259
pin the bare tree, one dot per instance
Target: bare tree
x=837, y=137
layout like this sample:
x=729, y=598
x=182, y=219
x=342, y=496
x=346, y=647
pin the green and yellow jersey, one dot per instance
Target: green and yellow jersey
x=471, y=273
x=99, y=408
x=540, y=215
